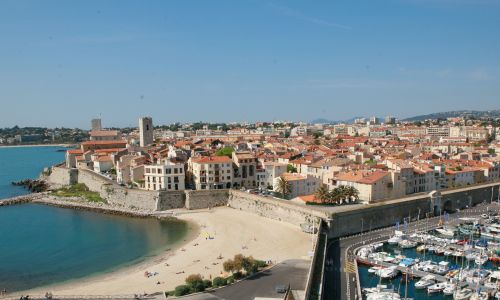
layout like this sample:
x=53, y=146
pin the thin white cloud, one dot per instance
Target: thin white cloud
x=287, y=11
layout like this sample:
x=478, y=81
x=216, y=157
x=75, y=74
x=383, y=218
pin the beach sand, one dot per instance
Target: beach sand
x=232, y=231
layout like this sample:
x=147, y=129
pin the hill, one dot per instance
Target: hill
x=457, y=113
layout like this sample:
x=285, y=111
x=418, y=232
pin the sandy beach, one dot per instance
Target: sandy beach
x=221, y=231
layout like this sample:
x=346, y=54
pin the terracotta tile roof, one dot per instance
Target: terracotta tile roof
x=111, y=150
x=362, y=177
x=293, y=176
x=211, y=159
x=310, y=198
x=104, y=158
x=75, y=151
x=112, y=142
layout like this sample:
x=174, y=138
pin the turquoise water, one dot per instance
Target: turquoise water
x=42, y=245
x=17, y=163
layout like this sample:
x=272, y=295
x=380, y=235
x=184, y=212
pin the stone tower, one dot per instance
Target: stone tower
x=146, y=131
x=96, y=124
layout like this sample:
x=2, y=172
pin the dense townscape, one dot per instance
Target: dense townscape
x=368, y=160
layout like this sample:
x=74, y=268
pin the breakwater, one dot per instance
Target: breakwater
x=78, y=204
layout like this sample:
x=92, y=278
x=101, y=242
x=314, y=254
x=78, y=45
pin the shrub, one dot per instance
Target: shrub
x=207, y=283
x=252, y=269
x=237, y=275
x=228, y=266
x=195, y=283
x=230, y=280
x=219, y=281
x=193, y=278
x=198, y=286
x=260, y=264
x=181, y=290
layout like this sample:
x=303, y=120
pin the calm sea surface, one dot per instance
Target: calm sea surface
x=42, y=245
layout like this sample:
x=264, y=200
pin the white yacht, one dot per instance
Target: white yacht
x=462, y=294
x=436, y=288
x=389, y=273
x=425, y=282
x=407, y=244
x=446, y=231
x=383, y=295
x=449, y=289
x=493, y=281
x=479, y=296
x=396, y=238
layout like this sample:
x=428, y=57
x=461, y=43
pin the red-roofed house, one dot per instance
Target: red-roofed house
x=373, y=186
x=210, y=172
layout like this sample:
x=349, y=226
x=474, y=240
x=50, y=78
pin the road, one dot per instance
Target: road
x=340, y=284
x=293, y=272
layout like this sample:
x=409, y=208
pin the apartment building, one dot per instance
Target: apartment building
x=273, y=170
x=165, y=176
x=300, y=185
x=373, y=186
x=245, y=169
x=210, y=172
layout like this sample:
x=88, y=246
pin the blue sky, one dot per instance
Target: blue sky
x=64, y=62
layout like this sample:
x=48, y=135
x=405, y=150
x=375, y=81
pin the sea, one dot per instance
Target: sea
x=43, y=245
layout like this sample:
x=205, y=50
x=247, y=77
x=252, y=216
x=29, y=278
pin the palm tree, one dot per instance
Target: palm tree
x=342, y=190
x=352, y=192
x=322, y=193
x=334, y=196
x=283, y=186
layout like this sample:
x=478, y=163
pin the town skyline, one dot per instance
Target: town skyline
x=109, y=123
x=179, y=62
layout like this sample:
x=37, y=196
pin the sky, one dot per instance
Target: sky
x=63, y=63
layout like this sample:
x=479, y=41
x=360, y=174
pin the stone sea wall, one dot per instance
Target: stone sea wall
x=387, y=213
x=272, y=208
x=206, y=198
x=61, y=176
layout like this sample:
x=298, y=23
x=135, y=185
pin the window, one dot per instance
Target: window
x=175, y=170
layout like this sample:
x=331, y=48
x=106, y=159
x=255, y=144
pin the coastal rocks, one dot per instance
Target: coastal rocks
x=20, y=199
x=35, y=186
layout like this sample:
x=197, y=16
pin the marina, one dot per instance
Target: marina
x=455, y=260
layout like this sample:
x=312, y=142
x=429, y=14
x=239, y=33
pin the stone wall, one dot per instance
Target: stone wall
x=352, y=221
x=118, y=195
x=198, y=199
x=267, y=207
x=61, y=176
x=170, y=200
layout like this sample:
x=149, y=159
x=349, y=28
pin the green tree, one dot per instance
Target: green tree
x=322, y=193
x=226, y=151
x=283, y=186
x=291, y=169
